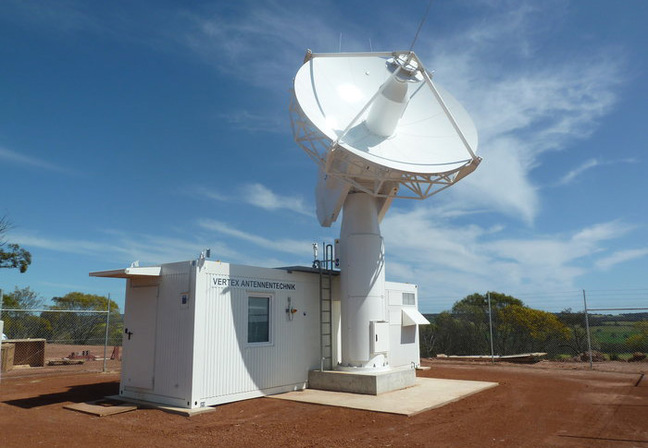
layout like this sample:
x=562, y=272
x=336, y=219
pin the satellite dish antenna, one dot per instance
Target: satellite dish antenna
x=379, y=129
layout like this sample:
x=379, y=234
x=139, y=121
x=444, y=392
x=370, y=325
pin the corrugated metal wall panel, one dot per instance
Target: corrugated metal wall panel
x=173, y=351
x=226, y=364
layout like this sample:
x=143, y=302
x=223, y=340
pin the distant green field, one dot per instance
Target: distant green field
x=613, y=333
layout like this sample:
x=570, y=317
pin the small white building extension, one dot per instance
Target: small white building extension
x=200, y=333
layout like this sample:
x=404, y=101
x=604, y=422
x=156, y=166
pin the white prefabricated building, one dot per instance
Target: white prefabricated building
x=200, y=333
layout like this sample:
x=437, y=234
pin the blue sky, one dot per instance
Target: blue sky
x=152, y=130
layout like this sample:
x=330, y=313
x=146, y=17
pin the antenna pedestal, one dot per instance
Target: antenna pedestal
x=365, y=344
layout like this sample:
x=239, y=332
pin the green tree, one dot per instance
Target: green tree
x=14, y=257
x=639, y=342
x=83, y=328
x=24, y=324
x=529, y=330
x=23, y=299
x=459, y=335
x=427, y=338
x=448, y=335
x=473, y=311
x=575, y=322
x=465, y=330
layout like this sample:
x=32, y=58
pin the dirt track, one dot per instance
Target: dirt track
x=532, y=407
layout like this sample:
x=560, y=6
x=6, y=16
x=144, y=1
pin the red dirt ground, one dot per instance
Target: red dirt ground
x=534, y=406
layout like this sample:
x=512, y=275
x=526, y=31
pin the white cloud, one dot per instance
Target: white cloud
x=602, y=232
x=84, y=247
x=260, y=196
x=572, y=175
x=263, y=41
x=453, y=260
x=125, y=247
x=209, y=193
x=244, y=120
x=30, y=161
x=523, y=103
x=500, y=183
x=290, y=246
x=621, y=256
x=66, y=16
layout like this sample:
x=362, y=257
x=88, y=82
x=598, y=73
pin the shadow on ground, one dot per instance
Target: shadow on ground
x=76, y=394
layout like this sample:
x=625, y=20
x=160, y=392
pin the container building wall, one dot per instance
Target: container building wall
x=159, y=316
x=229, y=364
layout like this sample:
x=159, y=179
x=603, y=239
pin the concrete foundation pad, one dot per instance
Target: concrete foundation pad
x=170, y=409
x=367, y=382
x=427, y=393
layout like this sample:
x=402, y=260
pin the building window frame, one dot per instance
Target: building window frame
x=409, y=299
x=259, y=319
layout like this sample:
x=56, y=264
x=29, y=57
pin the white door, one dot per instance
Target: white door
x=140, y=316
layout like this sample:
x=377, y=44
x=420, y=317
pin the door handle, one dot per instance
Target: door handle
x=129, y=333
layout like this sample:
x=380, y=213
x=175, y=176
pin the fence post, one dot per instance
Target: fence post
x=106, y=337
x=587, y=329
x=490, y=325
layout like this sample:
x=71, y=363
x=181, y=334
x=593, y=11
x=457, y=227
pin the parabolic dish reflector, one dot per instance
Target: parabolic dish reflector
x=376, y=122
x=331, y=91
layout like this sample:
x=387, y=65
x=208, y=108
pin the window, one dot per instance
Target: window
x=258, y=320
x=409, y=298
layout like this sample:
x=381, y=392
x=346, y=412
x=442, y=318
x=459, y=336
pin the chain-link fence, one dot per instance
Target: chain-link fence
x=55, y=337
x=496, y=326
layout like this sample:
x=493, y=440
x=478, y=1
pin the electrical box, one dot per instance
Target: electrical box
x=379, y=337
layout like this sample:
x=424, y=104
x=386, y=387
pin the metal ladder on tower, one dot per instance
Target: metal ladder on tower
x=326, y=309
x=326, y=320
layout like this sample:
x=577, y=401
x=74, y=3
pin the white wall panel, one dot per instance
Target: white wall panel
x=173, y=356
x=225, y=364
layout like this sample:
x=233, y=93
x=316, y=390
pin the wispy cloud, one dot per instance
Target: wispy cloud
x=65, y=16
x=260, y=196
x=125, y=247
x=574, y=174
x=215, y=194
x=449, y=258
x=295, y=247
x=244, y=120
x=118, y=247
x=267, y=39
x=621, y=256
x=525, y=105
x=73, y=246
x=13, y=157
